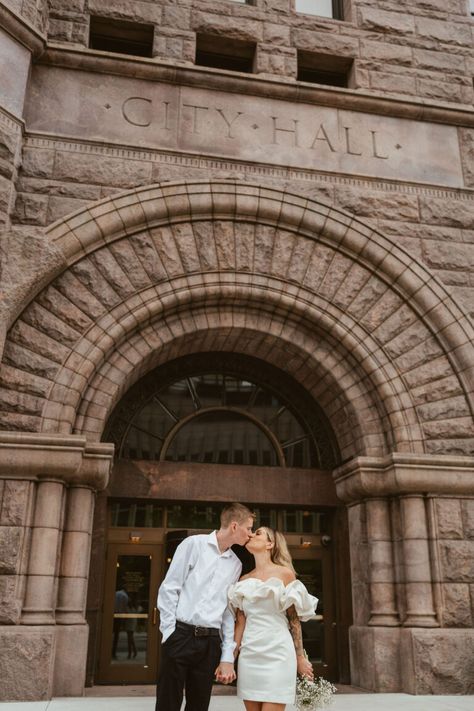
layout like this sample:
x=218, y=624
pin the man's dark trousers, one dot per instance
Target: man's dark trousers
x=188, y=662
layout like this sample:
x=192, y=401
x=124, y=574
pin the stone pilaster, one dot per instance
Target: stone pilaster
x=418, y=573
x=382, y=574
x=45, y=537
x=416, y=490
x=47, y=647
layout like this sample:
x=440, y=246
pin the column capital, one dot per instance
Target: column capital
x=403, y=473
x=67, y=458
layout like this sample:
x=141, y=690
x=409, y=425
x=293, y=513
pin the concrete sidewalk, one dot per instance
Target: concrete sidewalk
x=344, y=702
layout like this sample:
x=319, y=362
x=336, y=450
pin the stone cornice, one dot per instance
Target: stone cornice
x=233, y=82
x=68, y=458
x=400, y=473
x=22, y=31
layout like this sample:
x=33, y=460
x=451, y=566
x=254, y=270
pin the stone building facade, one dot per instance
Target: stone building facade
x=279, y=193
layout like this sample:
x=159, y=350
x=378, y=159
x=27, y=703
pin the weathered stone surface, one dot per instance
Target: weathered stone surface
x=14, y=503
x=466, y=137
x=10, y=543
x=386, y=52
x=457, y=561
x=382, y=21
x=24, y=359
x=94, y=170
x=457, y=605
x=138, y=11
x=448, y=513
x=31, y=209
x=37, y=162
x=395, y=205
x=468, y=517
x=10, y=604
x=392, y=83
x=449, y=256
x=26, y=658
x=280, y=61
x=449, y=32
x=240, y=28
x=61, y=206
x=442, y=661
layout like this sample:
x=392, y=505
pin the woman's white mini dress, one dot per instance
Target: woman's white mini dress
x=267, y=659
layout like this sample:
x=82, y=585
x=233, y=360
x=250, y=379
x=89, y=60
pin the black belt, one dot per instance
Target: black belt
x=199, y=631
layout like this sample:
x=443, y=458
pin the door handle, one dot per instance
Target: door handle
x=154, y=616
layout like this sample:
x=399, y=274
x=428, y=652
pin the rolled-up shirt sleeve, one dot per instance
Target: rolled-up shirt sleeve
x=168, y=594
x=227, y=630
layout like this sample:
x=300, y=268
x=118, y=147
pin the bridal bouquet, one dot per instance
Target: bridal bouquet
x=312, y=695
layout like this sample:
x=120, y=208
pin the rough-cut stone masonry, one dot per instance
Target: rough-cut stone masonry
x=436, y=227
x=259, y=255
x=418, y=48
x=150, y=209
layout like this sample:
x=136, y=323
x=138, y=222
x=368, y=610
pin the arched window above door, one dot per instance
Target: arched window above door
x=212, y=409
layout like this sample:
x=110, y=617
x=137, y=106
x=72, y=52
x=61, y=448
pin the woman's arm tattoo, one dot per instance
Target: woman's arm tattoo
x=295, y=630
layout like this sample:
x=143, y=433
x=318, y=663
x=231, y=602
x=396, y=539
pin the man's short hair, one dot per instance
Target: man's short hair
x=235, y=512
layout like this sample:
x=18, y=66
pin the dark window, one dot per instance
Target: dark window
x=120, y=36
x=224, y=53
x=324, y=69
x=221, y=408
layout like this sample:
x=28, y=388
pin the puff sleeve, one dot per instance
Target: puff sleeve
x=305, y=604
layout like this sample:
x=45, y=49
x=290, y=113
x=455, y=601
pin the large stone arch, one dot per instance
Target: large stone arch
x=175, y=269
x=377, y=339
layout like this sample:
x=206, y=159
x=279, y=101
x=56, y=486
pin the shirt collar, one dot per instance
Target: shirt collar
x=212, y=539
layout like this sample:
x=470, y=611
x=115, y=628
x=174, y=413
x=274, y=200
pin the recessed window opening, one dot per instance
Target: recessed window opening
x=324, y=69
x=472, y=6
x=321, y=8
x=224, y=53
x=121, y=36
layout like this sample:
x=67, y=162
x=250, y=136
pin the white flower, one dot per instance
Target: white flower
x=312, y=695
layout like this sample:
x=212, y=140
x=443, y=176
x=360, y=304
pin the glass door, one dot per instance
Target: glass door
x=129, y=648
x=313, y=567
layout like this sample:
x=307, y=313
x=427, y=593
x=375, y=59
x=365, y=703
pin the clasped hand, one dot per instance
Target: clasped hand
x=225, y=673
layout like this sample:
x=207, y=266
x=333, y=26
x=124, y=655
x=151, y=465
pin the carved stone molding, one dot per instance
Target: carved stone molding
x=400, y=473
x=67, y=458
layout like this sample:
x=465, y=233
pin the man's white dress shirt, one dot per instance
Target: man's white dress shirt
x=195, y=589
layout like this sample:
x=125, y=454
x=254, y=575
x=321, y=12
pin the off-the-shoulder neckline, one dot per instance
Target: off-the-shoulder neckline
x=272, y=577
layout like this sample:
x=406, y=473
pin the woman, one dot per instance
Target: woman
x=269, y=603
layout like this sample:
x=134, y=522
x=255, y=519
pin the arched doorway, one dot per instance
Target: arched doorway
x=197, y=431
x=175, y=270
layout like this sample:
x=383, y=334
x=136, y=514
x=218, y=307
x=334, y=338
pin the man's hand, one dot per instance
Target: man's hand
x=304, y=667
x=225, y=672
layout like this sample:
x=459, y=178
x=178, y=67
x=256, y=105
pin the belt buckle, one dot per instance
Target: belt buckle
x=200, y=631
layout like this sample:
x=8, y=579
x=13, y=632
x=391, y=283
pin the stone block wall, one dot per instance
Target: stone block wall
x=10, y=155
x=412, y=49
x=16, y=501
x=455, y=541
x=435, y=226
x=34, y=12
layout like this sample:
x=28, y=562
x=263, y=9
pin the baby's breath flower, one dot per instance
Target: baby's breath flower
x=312, y=695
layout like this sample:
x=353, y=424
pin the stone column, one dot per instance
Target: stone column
x=418, y=579
x=383, y=611
x=72, y=632
x=39, y=605
x=75, y=554
x=48, y=649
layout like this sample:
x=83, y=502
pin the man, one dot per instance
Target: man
x=197, y=626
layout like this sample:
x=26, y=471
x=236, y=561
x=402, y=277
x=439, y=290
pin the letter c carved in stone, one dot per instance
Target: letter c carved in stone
x=137, y=111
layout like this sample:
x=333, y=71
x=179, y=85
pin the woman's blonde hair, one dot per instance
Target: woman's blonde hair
x=279, y=554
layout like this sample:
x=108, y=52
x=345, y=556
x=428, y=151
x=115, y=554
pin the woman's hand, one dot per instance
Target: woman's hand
x=304, y=667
